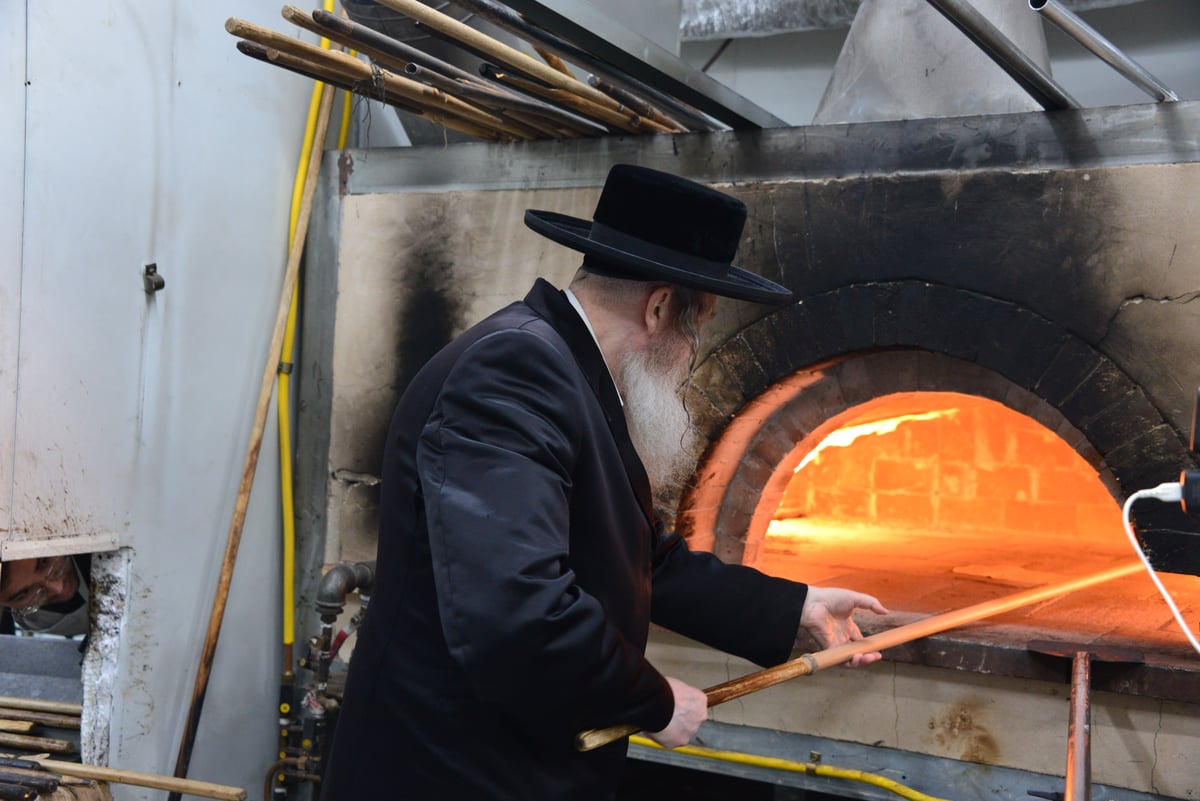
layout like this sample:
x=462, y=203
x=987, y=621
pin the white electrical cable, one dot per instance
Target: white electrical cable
x=1168, y=492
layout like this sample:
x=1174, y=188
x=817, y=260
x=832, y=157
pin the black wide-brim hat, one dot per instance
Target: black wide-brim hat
x=654, y=226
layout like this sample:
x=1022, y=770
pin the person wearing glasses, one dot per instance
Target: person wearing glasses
x=46, y=595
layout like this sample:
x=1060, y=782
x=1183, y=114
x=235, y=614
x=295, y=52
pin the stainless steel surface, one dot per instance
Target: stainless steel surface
x=633, y=54
x=1118, y=136
x=1086, y=35
x=903, y=60
x=1023, y=70
x=703, y=20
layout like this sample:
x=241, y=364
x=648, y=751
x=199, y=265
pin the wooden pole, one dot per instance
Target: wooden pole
x=151, y=780
x=810, y=663
x=344, y=66
x=309, y=70
x=500, y=52
x=41, y=705
x=31, y=743
x=44, y=718
x=626, y=120
x=250, y=463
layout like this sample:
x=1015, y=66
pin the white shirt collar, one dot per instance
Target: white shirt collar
x=574, y=301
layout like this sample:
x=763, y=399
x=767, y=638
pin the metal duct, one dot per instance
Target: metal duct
x=904, y=60
x=735, y=19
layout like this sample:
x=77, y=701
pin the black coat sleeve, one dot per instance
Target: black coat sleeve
x=736, y=609
x=495, y=460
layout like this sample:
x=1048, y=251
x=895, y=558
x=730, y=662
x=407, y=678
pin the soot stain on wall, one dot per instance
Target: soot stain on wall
x=431, y=305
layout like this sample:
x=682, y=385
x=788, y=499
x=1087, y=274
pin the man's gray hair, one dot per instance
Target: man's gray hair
x=624, y=290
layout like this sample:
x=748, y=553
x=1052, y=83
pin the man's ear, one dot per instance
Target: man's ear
x=658, y=309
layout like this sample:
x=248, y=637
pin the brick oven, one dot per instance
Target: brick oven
x=993, y=347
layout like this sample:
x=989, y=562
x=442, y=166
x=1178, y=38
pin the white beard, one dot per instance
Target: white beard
x=658, y=421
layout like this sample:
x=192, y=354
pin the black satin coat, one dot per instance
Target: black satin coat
x=517, y=574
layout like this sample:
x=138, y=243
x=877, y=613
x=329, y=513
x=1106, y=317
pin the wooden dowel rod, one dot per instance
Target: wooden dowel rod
x=810, y=663
x=624, y=120
x=503, y=17
x=16, y=726
x=636, y=104
x=41, y=705
x=338, y=34
x=527, y=112
x=452, y=80
x=151, y=780
x=348, y=67
x=433, y=105
x=312, y=71
x=498, y=51
x=29, y=743
x=368, y=40
x=44, y=718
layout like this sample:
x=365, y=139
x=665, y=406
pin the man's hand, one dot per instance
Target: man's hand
x=827, y=617
x=691, y=708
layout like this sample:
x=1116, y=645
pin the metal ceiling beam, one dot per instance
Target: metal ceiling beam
x=595, y=32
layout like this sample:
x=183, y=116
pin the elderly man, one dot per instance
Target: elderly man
x=47, y=595
x=519, y=563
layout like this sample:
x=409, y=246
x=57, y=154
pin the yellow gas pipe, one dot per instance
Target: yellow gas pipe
x=283, y=396
x=811, y=768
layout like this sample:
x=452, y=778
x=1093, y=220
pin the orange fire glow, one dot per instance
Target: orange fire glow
x=964, y=502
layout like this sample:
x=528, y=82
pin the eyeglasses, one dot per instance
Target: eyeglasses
x=48, y=571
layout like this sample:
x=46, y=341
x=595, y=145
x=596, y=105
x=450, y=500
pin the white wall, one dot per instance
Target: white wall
x=134, y=132
x=787, y=74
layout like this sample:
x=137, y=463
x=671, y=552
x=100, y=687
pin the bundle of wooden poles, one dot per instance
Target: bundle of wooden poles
x=513, y=97
x=24, y=723
x=28, y=772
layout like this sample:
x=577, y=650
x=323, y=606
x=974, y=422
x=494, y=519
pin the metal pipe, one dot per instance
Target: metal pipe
x=496, y=100
x=1032, y=78
x=340, y=581
x=1070, y=24
x=1079, y=749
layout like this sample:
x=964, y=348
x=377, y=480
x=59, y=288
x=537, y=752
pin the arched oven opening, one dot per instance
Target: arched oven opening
x=936, y=483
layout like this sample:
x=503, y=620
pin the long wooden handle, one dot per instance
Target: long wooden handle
x=811, y=663
x=153, y=780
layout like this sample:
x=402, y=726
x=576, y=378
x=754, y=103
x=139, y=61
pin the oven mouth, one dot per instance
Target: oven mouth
x=936, y=498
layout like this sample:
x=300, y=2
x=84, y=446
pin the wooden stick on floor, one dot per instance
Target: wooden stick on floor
x=31, y=743
x=810, y=663
x=152, y=780
x=41, y=705
x=43, y=718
